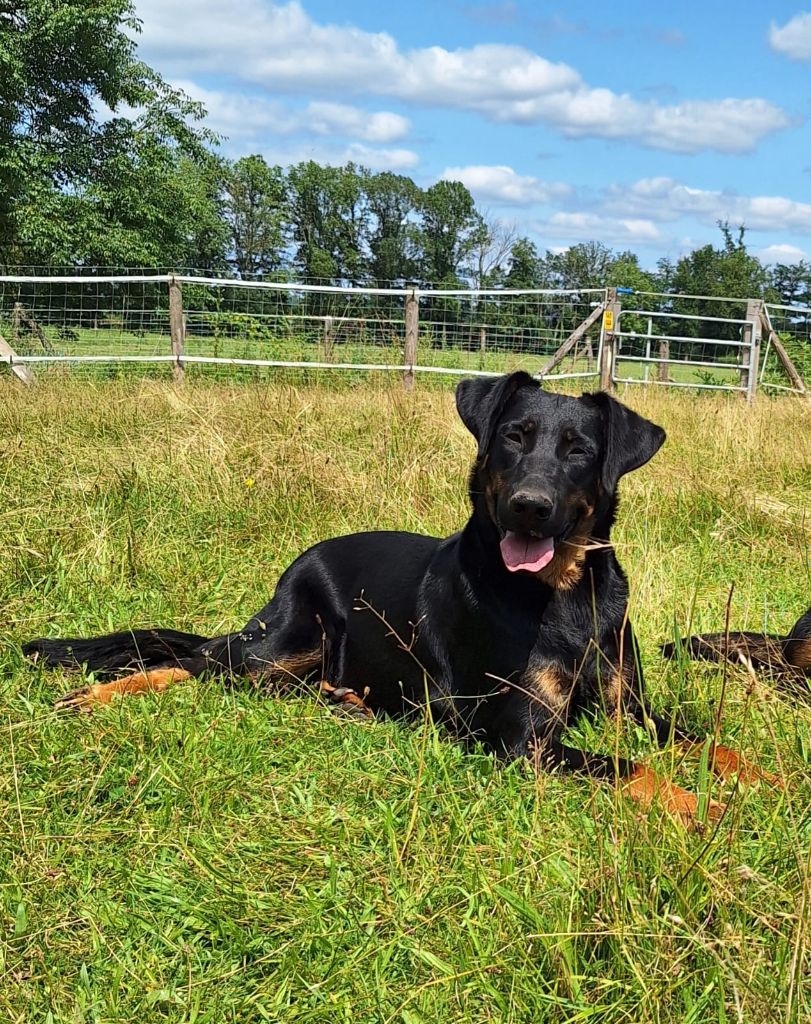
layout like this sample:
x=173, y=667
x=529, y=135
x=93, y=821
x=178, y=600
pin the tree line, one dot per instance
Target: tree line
x=103, y=164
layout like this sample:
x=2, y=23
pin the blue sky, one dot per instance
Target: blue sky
x=635, y=125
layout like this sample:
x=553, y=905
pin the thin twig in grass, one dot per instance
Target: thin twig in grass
x=716, y=729
x=415, y=804
x=16, y=776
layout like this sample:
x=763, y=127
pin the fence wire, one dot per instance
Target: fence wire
x=229, y=326
x=792, y=328
x=53, y=320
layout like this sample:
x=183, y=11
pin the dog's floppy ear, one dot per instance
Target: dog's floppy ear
x=629, y=440
x=480, y=401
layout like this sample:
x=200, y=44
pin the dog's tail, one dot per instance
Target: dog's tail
x=131, y=650
x=764, y=651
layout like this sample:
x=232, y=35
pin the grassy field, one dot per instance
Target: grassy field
x=214, y=855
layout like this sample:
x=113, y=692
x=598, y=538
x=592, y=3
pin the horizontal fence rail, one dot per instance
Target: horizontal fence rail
x=210, y=324
x=679, y=349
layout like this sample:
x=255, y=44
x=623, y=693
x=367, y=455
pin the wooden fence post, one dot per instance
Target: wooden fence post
x=20, y=370
x=571, y=342
x=663, y=369
x=412, y=330
x=328, y=339
x=482, y=344
x=774, y=340
x=176, y=328
x=611, y=316
x=16, y=317
x=750, y=358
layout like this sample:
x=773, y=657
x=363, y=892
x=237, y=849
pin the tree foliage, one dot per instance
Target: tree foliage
x=254, y=196
x=93, y=143
x=102, y=163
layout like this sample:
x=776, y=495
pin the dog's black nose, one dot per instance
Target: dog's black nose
x=531, y=507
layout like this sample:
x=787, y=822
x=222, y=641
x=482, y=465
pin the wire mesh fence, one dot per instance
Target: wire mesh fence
x=224, y=326
x=787, y=330
x=80, y=320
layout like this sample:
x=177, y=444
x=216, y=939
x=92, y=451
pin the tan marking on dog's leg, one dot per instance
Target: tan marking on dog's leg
x=551, y=688
x=289, y=670
x=155, y=681
x=728, y=764
x=612, y=690
x=647, y=789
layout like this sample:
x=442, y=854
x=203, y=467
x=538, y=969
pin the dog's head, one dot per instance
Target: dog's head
x=548, y=465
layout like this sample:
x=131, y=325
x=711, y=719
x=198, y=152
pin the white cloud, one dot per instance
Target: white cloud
x=503, y=185
x=794, y=38
x=664, y=199
x=581, y=226
x=240, y=116
x=376, y=159
x=380, y=159
x=726, y=126
x=781, y=253
x=339, y=118
x=280, y=47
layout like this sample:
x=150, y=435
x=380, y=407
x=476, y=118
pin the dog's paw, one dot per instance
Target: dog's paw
x=84, y=699
x=648, y=789
x=729, y=764
x=347, y=700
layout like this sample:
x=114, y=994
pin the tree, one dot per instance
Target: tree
x=725, y=272
x=792, y=282
x=392, y=200
x=328, y=221
x=491, y=243
x=69, y=172
x=524, y=269
x=624, y=271
x=254, y=198
x=585, y=265
x=446, y=232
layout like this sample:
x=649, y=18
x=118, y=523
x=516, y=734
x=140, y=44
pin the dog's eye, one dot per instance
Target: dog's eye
x=515, y=437
x=577, y=452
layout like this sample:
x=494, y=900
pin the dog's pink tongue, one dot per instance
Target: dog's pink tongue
x=531, y=554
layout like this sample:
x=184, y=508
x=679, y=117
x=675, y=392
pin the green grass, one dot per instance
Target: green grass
x=214, y=855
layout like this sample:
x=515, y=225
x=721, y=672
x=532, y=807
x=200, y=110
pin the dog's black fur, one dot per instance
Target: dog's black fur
x=507, y=658
x=786, y=658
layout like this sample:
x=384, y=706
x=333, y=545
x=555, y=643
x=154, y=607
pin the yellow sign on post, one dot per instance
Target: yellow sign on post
x=608, y=320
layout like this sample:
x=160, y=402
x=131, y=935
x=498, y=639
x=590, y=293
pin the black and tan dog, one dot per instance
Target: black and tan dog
x=508, y=629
